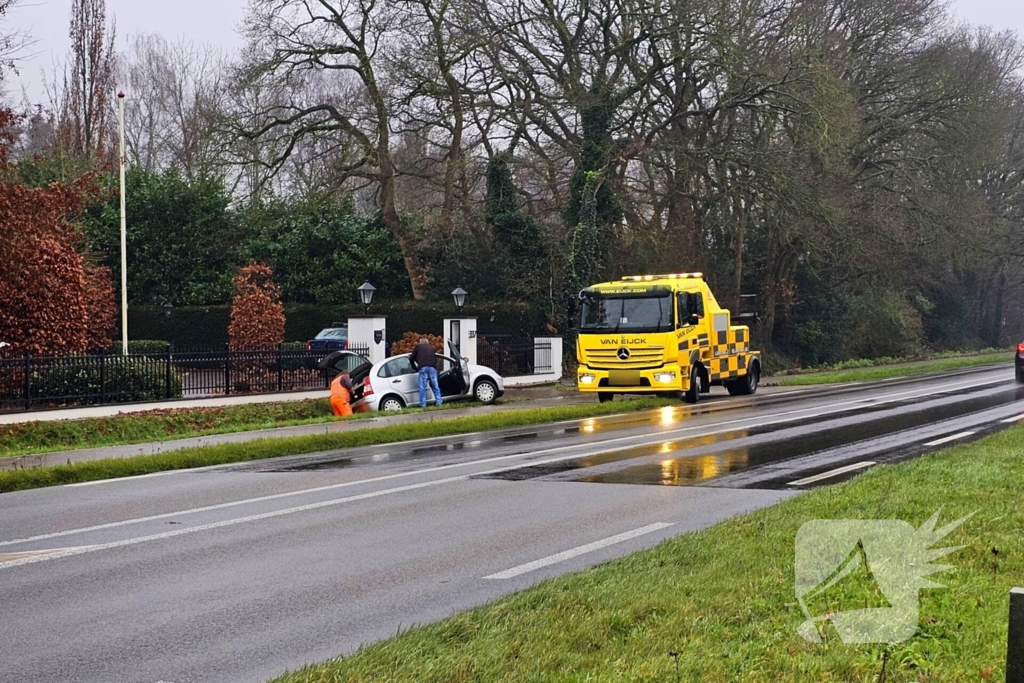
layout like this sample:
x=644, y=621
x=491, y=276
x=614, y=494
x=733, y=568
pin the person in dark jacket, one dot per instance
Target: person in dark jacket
x=424, y=362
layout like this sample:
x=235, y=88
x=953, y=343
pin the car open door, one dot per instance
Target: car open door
x=461, y=369
x=358, y=367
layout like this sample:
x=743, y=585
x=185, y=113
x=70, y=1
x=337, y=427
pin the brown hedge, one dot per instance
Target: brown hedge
x=257, y=316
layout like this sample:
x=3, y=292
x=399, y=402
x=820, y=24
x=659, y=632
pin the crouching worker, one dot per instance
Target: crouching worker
x=341, y=394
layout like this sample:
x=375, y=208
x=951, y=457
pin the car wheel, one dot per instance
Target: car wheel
x=1020, y=376
x=392, y=404
x=605, y=397
x=486, y=391
x=692, y=395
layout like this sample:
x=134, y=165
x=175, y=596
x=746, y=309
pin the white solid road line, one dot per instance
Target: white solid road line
x=70, y=552
x=575, y=552
x=1018, y=418
x=939, y=442
x=141, y=476
x=832, y=473
x=598, y=447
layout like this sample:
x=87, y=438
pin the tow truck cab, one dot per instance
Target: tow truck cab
x=661, y=334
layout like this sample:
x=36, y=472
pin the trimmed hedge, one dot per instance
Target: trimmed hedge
x=122, y=383
x=207, y=327
x=153, y=346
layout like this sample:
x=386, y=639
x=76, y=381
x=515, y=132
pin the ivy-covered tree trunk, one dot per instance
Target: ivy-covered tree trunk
x=583, y=265
x=518, y=243
x=595, y=156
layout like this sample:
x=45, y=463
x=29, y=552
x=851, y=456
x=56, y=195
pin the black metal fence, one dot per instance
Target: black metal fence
x=515, y=358
x=39, y=382
x=153, y=374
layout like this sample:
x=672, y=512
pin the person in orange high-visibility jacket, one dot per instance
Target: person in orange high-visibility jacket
x=341, y=395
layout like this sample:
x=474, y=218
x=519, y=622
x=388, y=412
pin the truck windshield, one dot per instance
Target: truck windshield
x=612, y=314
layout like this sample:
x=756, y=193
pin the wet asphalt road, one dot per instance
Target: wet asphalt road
x=239, y=573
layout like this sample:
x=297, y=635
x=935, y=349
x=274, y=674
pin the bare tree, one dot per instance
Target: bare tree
x=435, y=73
x=291, y=41
x=89, y=79
x=12, y=42
x=176, y=98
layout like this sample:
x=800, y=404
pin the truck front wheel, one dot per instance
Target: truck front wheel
x=692, y=395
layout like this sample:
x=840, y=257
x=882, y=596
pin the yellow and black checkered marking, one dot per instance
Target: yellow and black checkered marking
x=731, y=356
x=729, y=367
x=697, y=342
x=734, y=340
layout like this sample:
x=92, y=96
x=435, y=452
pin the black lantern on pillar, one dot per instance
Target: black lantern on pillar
x=366, y=295
x=459, y=295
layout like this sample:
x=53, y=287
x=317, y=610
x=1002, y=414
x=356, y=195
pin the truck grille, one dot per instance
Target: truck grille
x=652, y=356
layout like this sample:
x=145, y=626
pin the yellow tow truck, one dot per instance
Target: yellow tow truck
x=661, y=334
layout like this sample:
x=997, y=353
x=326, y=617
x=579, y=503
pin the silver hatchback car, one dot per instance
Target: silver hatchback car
x=392, y=384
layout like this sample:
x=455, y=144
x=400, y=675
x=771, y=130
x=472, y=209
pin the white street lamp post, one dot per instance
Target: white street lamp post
x=124, y=235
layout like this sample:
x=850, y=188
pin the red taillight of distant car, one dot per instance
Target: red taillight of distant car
x=1020, y=348
x=367, y=387
x=308, y=346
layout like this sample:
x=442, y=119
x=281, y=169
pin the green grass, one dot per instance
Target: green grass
x=721, y=599
x=31, y=438
x=157, y=425
x=95, y=470
x=875, y=373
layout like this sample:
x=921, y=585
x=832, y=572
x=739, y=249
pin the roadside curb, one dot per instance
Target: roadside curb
x=154, y=448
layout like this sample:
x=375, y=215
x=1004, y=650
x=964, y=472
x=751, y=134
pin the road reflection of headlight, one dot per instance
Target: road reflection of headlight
x=668, y=415
x=588, y=426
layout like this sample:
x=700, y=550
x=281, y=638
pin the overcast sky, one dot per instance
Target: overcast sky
x=216, y=22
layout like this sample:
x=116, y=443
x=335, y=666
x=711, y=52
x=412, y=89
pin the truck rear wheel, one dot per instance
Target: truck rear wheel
x=746, y=385
x=692, y=395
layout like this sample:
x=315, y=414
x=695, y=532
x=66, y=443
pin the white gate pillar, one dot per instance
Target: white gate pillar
x=462, y=333
x=369, y=333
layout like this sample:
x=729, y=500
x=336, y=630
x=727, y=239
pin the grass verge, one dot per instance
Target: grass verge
x=867, y=374
x=16, y=480
x=30, y=438
x=717, y=606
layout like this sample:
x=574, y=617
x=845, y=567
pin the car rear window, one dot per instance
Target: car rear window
x=333, y=333
x=396, y=368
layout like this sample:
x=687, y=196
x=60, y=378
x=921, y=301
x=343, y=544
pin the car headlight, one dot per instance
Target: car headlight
x=665, y=377
x=587, y=378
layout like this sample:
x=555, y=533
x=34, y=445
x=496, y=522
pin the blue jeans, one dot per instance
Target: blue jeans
x=429, y=375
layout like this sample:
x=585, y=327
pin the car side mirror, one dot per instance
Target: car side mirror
x=693, y=319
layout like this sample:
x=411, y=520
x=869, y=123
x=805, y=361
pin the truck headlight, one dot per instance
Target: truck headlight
x=587, y=378
x=665, y=377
